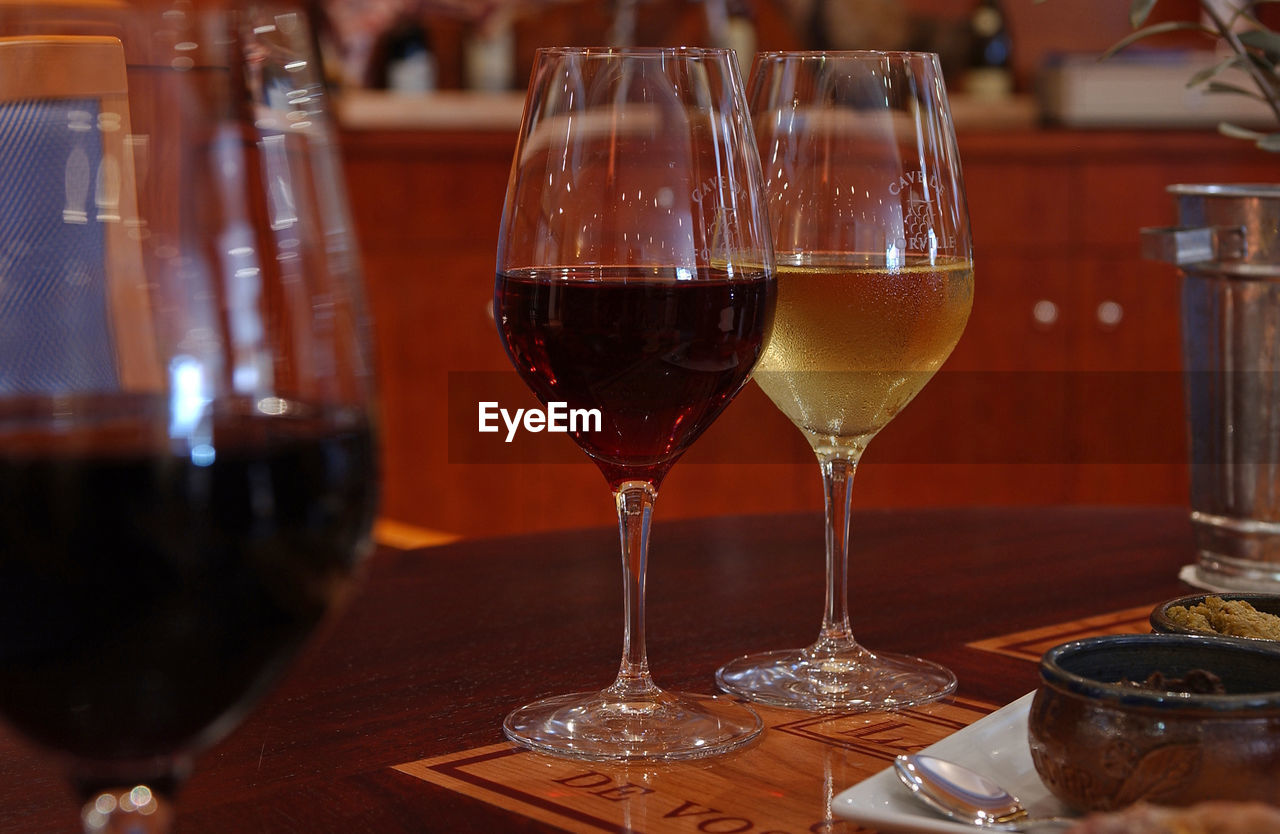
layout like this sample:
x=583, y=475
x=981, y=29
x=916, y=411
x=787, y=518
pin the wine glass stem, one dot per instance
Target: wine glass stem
x=635, y=501
x=837, y=482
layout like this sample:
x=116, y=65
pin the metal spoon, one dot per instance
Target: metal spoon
x=957, y=792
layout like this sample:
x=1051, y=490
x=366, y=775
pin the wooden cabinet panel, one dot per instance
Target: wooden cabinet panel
x=422, y=189
x=1123, y=186
x=1019, y=318
x=1018, y=203
x=1064, y=388
x=1126, y=315
x=1119, y=196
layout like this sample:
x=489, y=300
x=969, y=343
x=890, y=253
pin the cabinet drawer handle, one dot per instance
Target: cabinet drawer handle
x=1045, y=313
x=1110, y=313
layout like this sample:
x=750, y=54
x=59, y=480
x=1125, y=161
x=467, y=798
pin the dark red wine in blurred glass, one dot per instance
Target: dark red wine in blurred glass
x=150, y=588
x=659, y=353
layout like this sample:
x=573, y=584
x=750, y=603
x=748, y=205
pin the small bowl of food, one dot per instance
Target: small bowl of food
x=1255, y=616
x=1168, y=719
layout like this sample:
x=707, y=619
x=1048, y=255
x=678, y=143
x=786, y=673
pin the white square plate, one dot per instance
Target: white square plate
x=995, y=746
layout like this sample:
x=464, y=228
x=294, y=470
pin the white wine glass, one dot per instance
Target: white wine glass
x=187, y=435
x=875, y=285
x=635, y=280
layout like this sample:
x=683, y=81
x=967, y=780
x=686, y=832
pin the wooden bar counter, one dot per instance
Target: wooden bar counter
x=391, y=720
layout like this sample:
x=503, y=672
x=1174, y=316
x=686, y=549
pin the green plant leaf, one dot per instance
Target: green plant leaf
x=1139, y=11
x=1256, y=54
x=1264, y=40
x=1209, y=72
x=1232, y=89
x=1237, y=132
x=1260, y=62
x=1263, y=73
x=1155, y=29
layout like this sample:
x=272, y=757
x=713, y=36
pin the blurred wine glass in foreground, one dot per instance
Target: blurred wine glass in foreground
x=187, y=458
x=635, y=280
x=875, y=284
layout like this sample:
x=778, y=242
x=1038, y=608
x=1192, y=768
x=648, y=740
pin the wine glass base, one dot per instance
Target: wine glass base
x=854, y=680
x=659, y=726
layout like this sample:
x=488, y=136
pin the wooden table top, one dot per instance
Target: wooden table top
x=442, y=642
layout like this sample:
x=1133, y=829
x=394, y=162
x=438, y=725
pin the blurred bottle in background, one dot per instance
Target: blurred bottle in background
x=850, y=24
x=489, y=54
x=990, y=71
x=404, y=61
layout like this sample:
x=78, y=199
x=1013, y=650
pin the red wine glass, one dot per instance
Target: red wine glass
x=635, y=282
x=187, y=451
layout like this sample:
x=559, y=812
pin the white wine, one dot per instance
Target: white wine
x=854, y=341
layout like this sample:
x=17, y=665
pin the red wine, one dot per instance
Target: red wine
x=149, y=588
x=659, y=356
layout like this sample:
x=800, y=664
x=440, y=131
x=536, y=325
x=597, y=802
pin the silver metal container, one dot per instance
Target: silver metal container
x=1227, y=245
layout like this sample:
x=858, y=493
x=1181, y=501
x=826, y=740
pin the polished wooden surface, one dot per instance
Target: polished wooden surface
x=441, y=642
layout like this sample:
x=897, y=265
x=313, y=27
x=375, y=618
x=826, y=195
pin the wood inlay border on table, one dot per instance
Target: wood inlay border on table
x=782, y=784
x=1033, y=643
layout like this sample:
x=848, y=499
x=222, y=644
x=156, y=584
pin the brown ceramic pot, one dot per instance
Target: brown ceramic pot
x=1099, y=744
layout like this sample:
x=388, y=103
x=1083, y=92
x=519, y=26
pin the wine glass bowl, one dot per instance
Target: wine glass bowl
x=875, y=285
x=187, y=437
x=635, y=282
